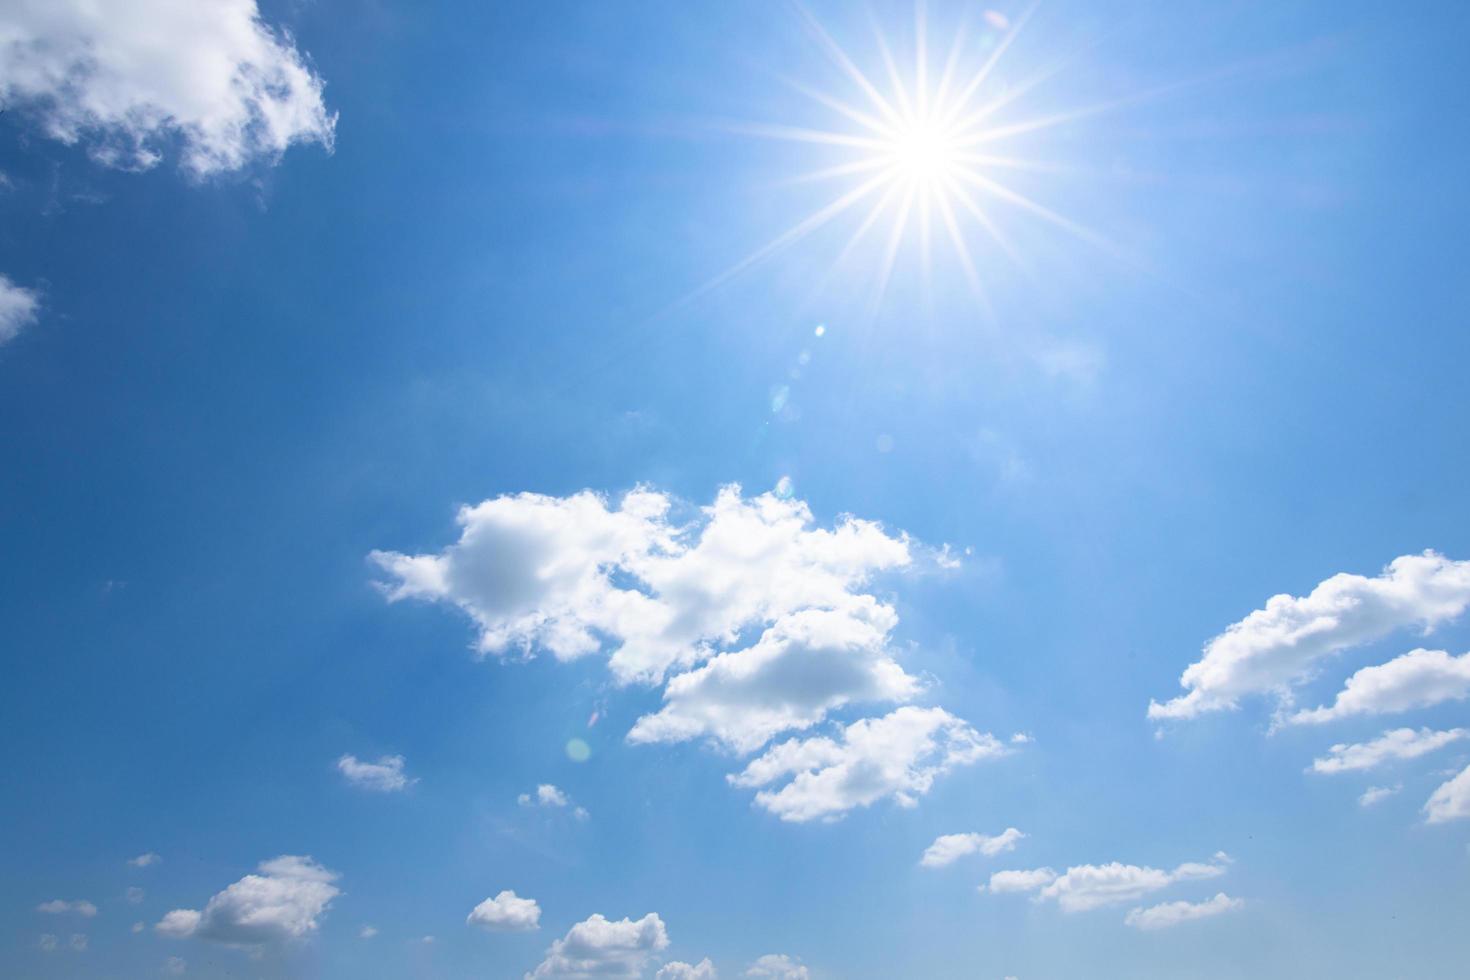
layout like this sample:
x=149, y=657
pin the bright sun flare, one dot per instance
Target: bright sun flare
x=918, y=145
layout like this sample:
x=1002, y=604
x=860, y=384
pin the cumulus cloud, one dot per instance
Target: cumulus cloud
x=1417, y=679
x=951, y=847
x=130, y=80
x=597, y=947
x=703, y=970
x=384, y=776
x=571, y=575
x=804, y=666
x=778, y=966
x=1172, y=913
x=144, y=860
x=283, y=902
x=1377, y=794
x=1091, y=886
x=18, y=307
x=898, y=756
x=1399, y=743
x=1277, y=646
x=506, y=912
x=1451, y=801
x=58, y=906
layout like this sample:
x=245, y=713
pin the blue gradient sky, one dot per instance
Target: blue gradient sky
x=236, y=388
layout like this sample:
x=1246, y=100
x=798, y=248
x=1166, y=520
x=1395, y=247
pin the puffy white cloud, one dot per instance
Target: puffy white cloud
x=1451, y=801
x=1172, y=913
x=1417, y=679
x=778, y=966
x=547, y=795
x=1090, y=886
x=1398, y=743
x=1276, y=647
x=283, y=902
x=807, y=664
x=949, y=848
x=898, y=756
x=18, y=307
x=506, y=912
x=129, y=79
x=703, y=970
x=384, y=776
x=1002, y=882
x=571, y=575
x=1377, y=794
x=598, y=947
x=59, y=906
x=144, y=860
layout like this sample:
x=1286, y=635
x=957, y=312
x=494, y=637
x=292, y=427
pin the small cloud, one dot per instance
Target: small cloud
x=427, y=940
x=1173, y=913
x=1021, y=738
x=1375, y=794
x=78, y=942
x=384, y=776
x=18, y=308
x=367, y=932
x=506, y=912
x=47, y=942
x=549, y=796
x=175, y=966
x=59, y=906
x=144, y=860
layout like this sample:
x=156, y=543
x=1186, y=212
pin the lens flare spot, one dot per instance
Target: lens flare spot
x=578, y=750
x=784, y=488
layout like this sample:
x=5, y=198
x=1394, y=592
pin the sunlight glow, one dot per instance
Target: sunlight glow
x=914, y=144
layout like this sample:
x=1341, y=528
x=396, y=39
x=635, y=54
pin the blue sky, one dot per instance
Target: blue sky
x=390, y=427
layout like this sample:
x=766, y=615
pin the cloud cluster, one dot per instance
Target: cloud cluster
x=949, y=848
x=1172, y=913
x=755, y=621
x=506, y=912
x=1417, y=679
x=600, y=948
x=18, y=308
x=1090, y=886
x=283, y=902
x=1398, y=743
x=898, y=755
x=1276, y=647
x=384, y=776
x=131, y=79
x=547, y=795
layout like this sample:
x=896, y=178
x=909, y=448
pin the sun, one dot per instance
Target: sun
x=921, y=148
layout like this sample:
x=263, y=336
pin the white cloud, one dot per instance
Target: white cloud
x=144, y=860
x=778, y=966
x=1398, y=743
x=135, y=896
x=1172, y=913
x=547, y=795
x=384, y=776
x=59, y=906
x=703, y=970
x=1377, y=794
x=598, y=947
x=898, y=755
x=506, y=912
x=1091, y=886
x=78, y=942
x=1451, y=801
x=571, y=575
x=283, y=902
x=18, y=307
x=48, y=942
x=367, y=932
x=139, y=927
x=130, y=79
x=1276, y=647
x=804, y=666
x=175, y=966
x=951, y=847
x=1417, y=679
